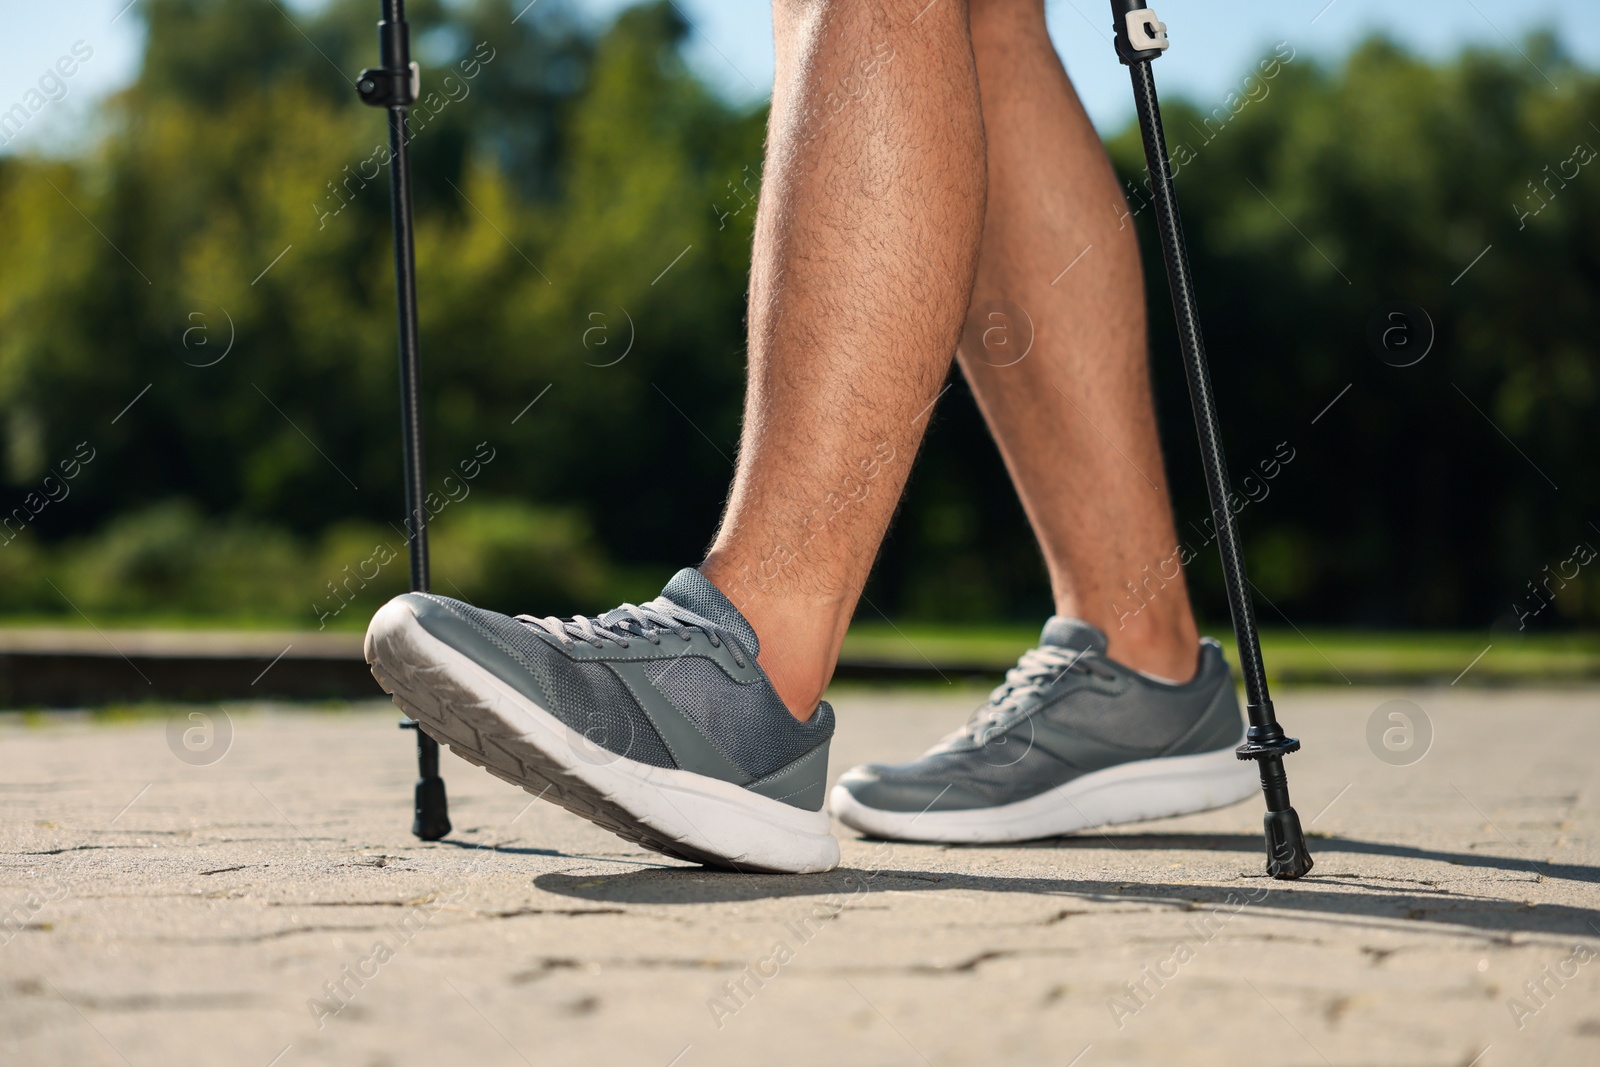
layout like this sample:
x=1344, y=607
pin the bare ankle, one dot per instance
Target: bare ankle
x=800, y=638
x=799, y=686
x=1166, y=649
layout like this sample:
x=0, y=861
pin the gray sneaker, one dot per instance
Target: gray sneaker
x=1070, y=740
x=654, y=721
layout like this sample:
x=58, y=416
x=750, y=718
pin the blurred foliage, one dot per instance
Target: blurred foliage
x=168, y=562
x=1315, y=656
x=1427, y=495
x=583, y=242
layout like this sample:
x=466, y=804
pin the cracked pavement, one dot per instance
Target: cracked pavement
x=271, y=909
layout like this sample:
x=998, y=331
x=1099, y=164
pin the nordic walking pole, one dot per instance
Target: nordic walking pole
x=1141, y=38
x=394, y=86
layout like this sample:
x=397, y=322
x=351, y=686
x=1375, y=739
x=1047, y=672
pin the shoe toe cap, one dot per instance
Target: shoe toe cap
x=496, y=642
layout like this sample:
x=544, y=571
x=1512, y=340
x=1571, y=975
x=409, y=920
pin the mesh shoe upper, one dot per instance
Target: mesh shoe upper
x=671, y=683
x=1065, y=710
x=586, y=695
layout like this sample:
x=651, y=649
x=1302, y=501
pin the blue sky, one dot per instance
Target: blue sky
x=1215, y=43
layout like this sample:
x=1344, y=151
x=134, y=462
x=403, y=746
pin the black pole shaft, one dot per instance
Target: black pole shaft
x=431, y=814
x=1287, y=855
x=1180, y=280
x=405, y=272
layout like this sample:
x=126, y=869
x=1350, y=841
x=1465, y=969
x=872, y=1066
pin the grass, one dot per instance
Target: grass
x=1311, y=656
x=352, y=621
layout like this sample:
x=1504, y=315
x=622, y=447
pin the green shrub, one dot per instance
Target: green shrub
x=168, y=562
x=23, y=589
x=170, y=559
x=511, y=557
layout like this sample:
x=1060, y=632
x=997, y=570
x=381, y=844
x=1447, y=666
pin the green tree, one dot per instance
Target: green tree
x=204, y=301
x=1428, y=494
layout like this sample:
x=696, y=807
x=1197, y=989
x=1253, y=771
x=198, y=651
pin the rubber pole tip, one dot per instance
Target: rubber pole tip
x=432, y=820
x=1287, y=854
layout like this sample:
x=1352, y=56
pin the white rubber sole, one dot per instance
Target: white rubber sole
x=483, y=720
x=1129, y=792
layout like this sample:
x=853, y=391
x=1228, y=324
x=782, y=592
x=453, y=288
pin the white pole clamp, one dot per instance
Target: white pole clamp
x=1146, y=31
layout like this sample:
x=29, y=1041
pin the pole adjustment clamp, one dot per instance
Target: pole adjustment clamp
x=1140, y=35
x=382, y=87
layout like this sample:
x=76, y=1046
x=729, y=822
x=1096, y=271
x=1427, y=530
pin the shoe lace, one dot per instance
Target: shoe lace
x=629, y=622
x=1037, y=670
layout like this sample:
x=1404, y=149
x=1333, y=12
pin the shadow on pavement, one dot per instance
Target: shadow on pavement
x=1252, y=843
x=1324, y=893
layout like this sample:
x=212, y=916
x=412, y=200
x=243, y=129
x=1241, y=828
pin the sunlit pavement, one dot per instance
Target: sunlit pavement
x=270, y=907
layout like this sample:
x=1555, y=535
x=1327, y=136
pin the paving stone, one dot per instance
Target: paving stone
x=271, y=908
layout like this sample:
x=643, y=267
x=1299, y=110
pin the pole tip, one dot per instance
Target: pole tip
x=432, y=820
x=1287, y=854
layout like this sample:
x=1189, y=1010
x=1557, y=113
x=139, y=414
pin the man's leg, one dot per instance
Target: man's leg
x=866, y=242
x=1079, y=735
x=1074, y=418
x=650, y=719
